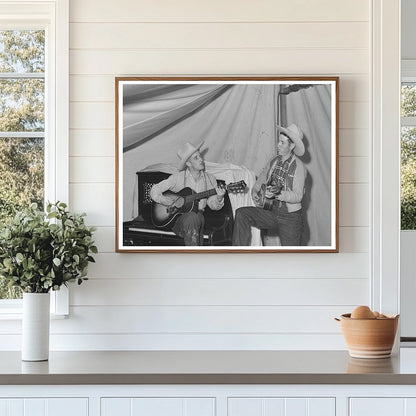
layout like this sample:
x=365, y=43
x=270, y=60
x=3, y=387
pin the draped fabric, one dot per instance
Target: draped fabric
x=237, y=124
x=237, y=127
x=310, y=110
x=151, y=109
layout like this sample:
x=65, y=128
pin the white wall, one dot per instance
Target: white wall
x=214, y=301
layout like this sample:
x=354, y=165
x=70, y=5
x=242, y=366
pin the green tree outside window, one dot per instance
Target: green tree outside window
x=22, y=125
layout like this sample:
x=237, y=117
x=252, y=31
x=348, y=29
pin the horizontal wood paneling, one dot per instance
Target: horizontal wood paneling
x=94, y=143
x=218, y=11
x=354, y=88
x=37, y=11
x=200, y=319
x=87, y=115
x=99, y=88
x=295, y=61
x=354, y=170
x=231, y=266
x=213, y=301
x=96, y=88
x=104, y=238
x=218, y=291
x=354, y=205
x=354, y=115
x=218, y=35
x=354, y=239
x=184, y=341
x=92, y=169
x=195, y=319
x=96, y=199
x=354, y=142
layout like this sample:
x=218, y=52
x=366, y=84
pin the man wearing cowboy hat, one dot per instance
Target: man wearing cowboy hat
x=282, y=183
x=190, y=225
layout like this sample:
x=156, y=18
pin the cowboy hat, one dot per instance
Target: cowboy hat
x=296, y=135
x=185, y=152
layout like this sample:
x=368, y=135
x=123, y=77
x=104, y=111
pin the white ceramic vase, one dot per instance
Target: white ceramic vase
x=35, y=326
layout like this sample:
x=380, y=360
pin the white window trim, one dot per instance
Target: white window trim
x=53, y=16
x=408, y=75
x=409, y=70
x=385, y=206
x=408, y=121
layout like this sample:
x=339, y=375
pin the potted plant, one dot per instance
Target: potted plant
x=39, y=252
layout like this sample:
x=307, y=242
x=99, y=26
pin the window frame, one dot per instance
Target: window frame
x=408, y=76
x=53, y=17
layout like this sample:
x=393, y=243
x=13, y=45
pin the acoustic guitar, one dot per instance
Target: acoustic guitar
x=263, y=201
x=186, y=200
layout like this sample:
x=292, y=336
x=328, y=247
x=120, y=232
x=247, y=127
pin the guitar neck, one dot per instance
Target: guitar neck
x=201, y=195
x=232, y=187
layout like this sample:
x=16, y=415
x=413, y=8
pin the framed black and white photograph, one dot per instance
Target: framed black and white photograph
x=227, y=164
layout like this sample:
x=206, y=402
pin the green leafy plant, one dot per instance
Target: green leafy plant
x=42, y=251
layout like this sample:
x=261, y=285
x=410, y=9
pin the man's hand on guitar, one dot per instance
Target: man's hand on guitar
x=220, y=193
x=273, y=191
x=255, y=195
x=170, y=204
x=168, y=200
x=256, y=199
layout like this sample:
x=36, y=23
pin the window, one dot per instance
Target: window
x=22, y=124
x=408, y=153
x=33, y=109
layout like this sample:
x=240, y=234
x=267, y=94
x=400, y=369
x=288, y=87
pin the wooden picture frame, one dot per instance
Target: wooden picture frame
x=244, y=124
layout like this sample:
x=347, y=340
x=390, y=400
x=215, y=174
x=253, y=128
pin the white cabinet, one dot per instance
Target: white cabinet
x=208, y=400
x=391, y=406
x=273, y=406
x=44, y=407
x=157, y=406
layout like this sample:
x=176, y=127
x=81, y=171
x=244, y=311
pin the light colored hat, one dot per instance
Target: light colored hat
x=296, y=135
x=185, y=152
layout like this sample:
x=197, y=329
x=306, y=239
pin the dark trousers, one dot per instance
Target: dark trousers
x=190, y=226
x=288, y=224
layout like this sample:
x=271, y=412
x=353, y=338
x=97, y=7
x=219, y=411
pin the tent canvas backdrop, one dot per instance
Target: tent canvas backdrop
x=237, y=121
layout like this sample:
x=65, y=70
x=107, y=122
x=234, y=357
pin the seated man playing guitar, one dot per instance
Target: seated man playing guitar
x=189, y=224
x=278, y=194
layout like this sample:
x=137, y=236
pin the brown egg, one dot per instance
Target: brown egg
x=362, y=312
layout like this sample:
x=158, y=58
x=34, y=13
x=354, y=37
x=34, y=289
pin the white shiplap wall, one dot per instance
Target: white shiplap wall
x=214, y=301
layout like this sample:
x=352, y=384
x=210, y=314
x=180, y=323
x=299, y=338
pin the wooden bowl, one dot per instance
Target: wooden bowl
x=369, y=338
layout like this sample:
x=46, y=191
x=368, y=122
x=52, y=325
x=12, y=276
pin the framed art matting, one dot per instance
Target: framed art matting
x=227, y=164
